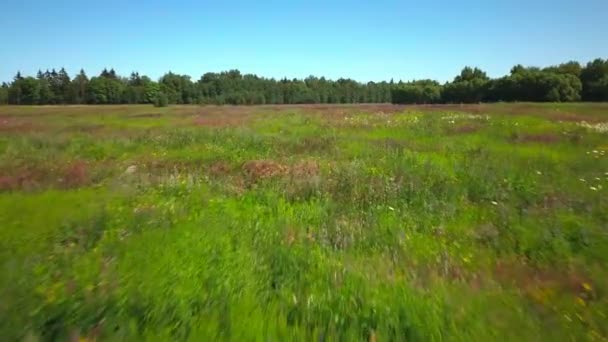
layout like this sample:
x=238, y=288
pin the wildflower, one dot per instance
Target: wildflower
x=391, y=208
x=601, y=127
x=538, y=173
x=582, y=180
x=593, y=188
x=580, y=301
x=595, y=151
x=587, y=287
x=494, y=203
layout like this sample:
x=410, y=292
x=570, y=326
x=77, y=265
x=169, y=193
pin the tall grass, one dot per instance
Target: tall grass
x=415, y=225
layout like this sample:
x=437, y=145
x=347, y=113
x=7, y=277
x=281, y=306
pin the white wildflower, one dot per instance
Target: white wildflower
x=582, y=180
x=600, y=127
x=538, y=173
x=494, y=203
x=593, y=188
x=391, y=208
x=456, y=116
x=131, y=170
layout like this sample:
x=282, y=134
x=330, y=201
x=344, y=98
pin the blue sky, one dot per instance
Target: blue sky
x=365, y=40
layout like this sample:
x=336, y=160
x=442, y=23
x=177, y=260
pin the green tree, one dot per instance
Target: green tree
x=417, y=92
x=25, y=91
x=4, y=93
x=79, y=88
x=572, y=68
x=178, y=88
x=161, y=100
x=151, y=90
x=594, y=77
x=105, y=90
x=534, y=84
x=62, y=88
x=468, y=87
x=46, y=93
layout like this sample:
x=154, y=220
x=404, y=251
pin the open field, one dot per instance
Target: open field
x=322, y=222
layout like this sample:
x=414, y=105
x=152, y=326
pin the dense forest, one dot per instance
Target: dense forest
x=563, y=83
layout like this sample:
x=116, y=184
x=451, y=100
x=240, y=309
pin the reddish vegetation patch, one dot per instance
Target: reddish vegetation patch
x=24, y=178
x=15, y=125
x=218, y=121
x=75, y=175
x=220, y=168
x=539, y=283
x=541, y=138
x=13, y=182
x=305, y=169
x=463, y=129
x=145, y=115
x=260, y=169
x=84, y=128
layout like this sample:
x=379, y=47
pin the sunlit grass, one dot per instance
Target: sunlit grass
x=292, y=223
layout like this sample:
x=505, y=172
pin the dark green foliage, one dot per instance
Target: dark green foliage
x=469, y=87
x=79, y=88
x=161, y=100
x=4, y=93
x=178, y=88
x=595, y=80
x=25, y=91
x=105, y=90
x=566, y=82
x=417, y=92
x=572, y=68
x=533, y=84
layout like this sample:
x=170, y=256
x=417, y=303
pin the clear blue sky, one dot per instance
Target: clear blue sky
x=365, y=40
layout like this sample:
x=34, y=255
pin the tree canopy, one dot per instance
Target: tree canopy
x=561, y=83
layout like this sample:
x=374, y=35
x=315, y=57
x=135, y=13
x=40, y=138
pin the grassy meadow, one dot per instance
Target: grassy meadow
x=314, y=223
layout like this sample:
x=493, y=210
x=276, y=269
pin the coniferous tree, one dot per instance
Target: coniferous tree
x=79, y=88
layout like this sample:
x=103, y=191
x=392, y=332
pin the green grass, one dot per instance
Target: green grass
x=345, y=223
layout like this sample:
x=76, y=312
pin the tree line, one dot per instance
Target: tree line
x=562, y=83
x=567, y=82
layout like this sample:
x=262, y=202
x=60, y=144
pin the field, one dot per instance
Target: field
x=355, y=222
